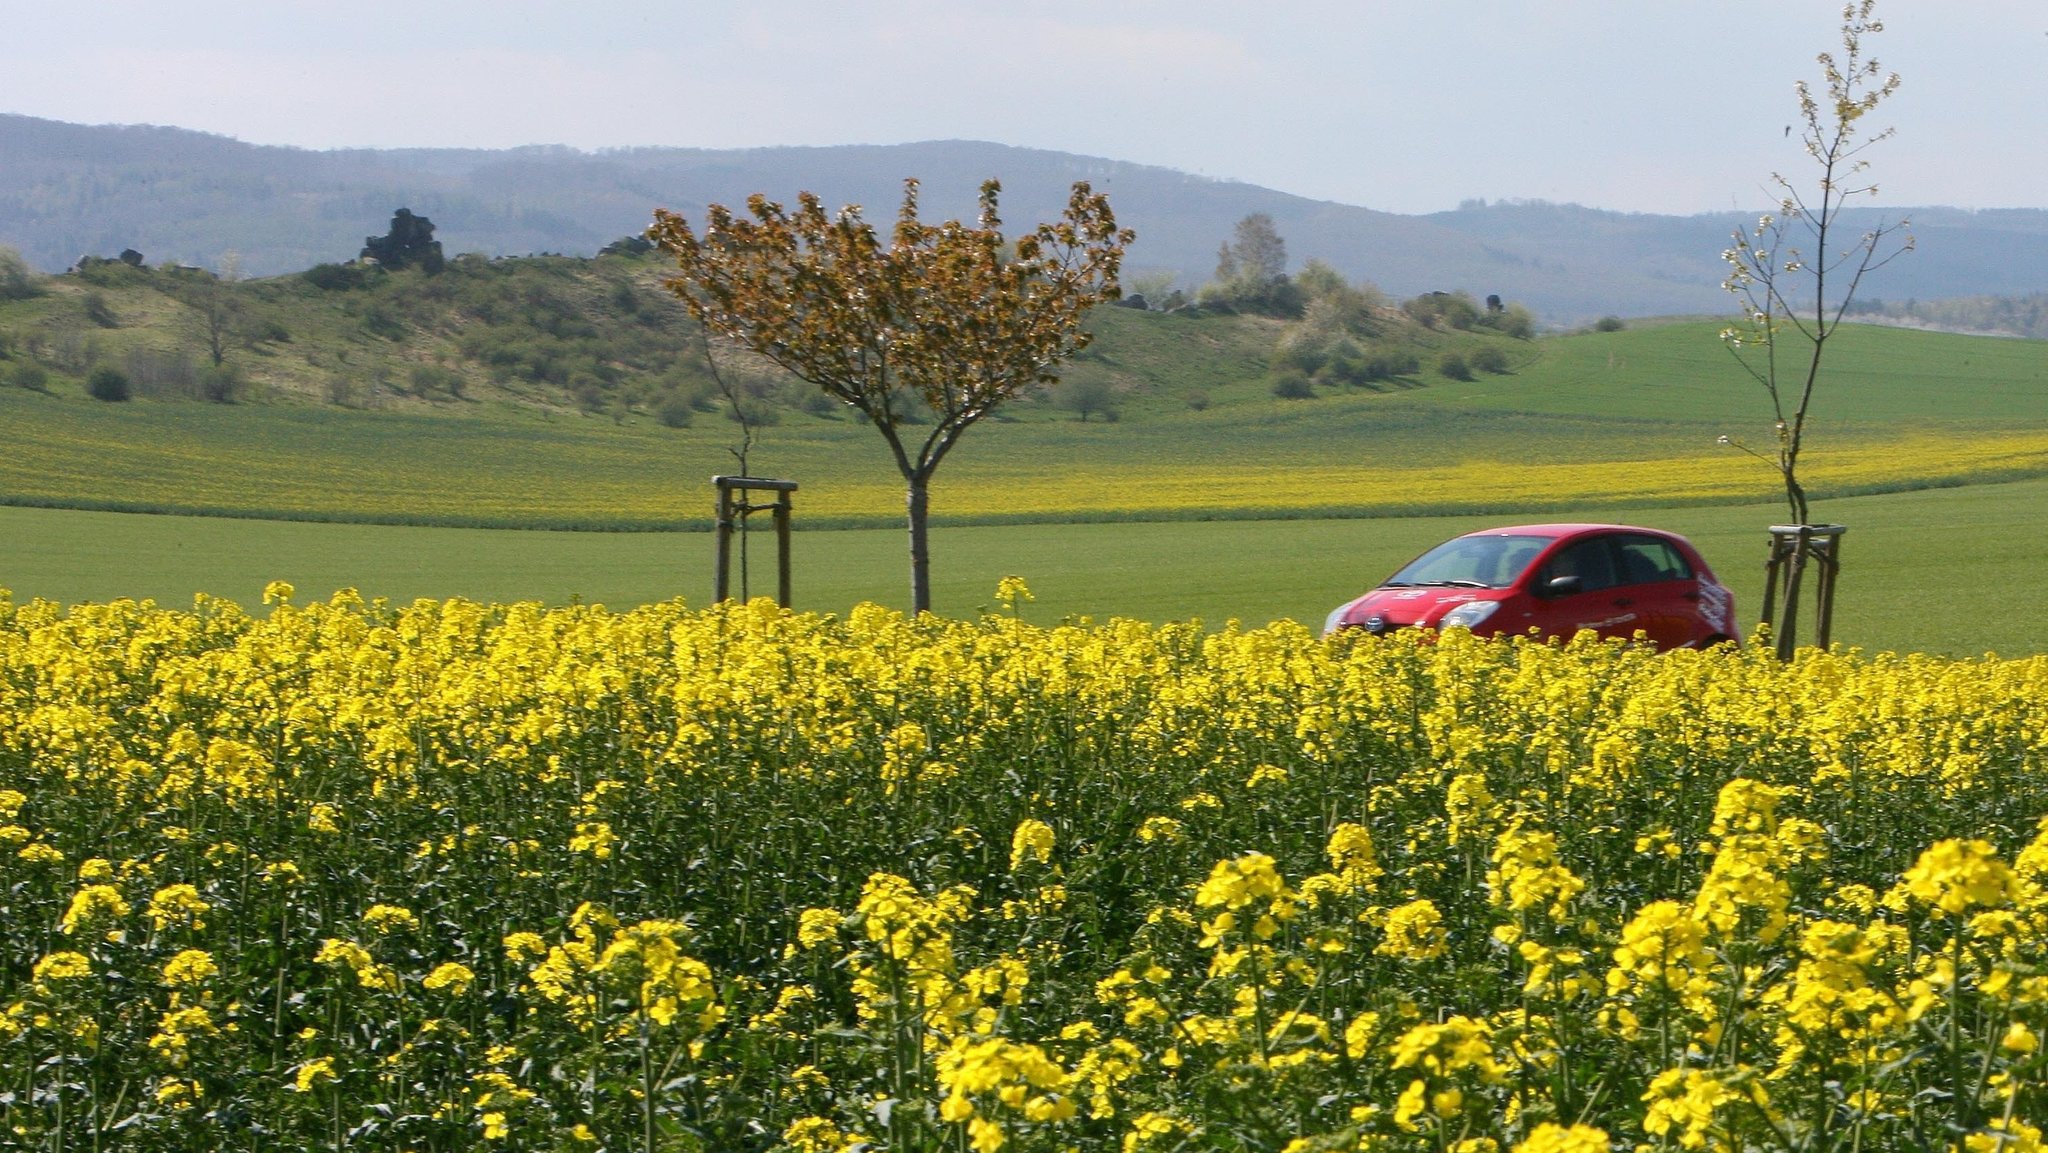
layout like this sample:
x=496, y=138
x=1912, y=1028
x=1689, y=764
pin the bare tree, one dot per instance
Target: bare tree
x=218, y=309
x=1793, y=273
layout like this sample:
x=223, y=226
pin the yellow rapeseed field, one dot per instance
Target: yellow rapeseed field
x=459, y=876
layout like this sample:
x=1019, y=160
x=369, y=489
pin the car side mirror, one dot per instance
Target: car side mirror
x=1563, y=586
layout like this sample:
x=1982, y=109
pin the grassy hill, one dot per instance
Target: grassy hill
x=545, y=393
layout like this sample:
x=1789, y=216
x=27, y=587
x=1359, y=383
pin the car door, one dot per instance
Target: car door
x=1660, y=585
x=1593, y=600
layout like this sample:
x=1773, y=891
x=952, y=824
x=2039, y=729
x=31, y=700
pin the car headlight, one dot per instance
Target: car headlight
x=1335, y=620
x=1468, y=615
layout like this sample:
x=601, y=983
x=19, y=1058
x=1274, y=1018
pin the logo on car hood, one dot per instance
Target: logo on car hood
x=1408, y=606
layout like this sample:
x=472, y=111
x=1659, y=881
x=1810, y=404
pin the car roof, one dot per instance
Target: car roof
x=1565, y=529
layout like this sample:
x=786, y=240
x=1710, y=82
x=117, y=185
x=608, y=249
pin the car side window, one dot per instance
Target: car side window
x=1592, y=561
x=1647, y=560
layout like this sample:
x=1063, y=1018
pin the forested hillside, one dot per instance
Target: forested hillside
x=69, y=190
x=1991, y=315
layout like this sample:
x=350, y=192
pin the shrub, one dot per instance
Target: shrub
x=759, y=413
x=1388, y=365
x=379, y=321
x=17, y=280
x=221, y=383
x=1489, y=359
x=99, y=311
x=1514, y=321
x=1353, y=368
x=1293, y=385
x=109, y=384
x=269, y=331
x=1609, y=324
x=30, y=375
x=161, y=373
x=101, y=271
x=1198, y=400
x=1086, y=397
x=1454, y=366
x=632, y=244
x=430, y=379
x=336, y=277
x=1300, y=352
x=675, y=410
x=811, y=401
x=1443, y=310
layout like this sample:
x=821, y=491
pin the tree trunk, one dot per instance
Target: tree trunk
x=917, y=502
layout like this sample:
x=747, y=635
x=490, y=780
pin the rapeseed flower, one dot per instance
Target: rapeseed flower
x=1032, y=841
x=191, y=967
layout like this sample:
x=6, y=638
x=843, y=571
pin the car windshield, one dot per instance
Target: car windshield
x=1488, y=562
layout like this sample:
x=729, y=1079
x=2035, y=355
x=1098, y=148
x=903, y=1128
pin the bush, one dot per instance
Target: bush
x=1347, y=365
x=431, y=379
x=379, y=321
x=1454, y=366
x=109, y=384
x=101, y=271
x=1609, y=324
x=17, y=280
x=811, y=401
x=161, y=373
x=30, y=375
x=675, y=410
x=1293, y=385
x=1443, y=310
x=337, y=277
x=99, y=311
x=221, y=383
x=1086, y=397
x=755, y=412
x=1388, y=365
x=1300, y=352
x=1514, y=321
x=632, y=244
x=1198, y=400
x=588, y=394
x=1489, y=359
x=268, y=331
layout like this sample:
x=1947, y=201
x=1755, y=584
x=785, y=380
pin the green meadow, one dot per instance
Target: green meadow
x=1594, y=420
x=1210, y=498
x=1956, y=571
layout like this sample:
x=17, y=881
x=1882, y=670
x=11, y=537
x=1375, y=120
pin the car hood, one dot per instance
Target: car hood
x=1409, y=607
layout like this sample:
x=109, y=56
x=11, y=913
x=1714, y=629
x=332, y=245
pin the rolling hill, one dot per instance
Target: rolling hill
x=68, y=190
x=563, y=392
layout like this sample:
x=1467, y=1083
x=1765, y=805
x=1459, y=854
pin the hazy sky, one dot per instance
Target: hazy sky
x=1403, y=105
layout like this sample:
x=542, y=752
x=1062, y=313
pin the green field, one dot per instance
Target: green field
x=1596, y=420
x=1955, y=571
x=1933, y=447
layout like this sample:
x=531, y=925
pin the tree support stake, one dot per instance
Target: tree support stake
x=734, y=506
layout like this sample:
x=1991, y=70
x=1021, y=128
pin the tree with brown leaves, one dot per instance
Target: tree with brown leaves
x=949, y=318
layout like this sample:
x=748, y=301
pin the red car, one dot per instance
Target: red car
x=1554, y=579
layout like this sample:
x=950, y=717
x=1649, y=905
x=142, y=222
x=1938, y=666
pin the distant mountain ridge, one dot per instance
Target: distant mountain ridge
x=68, y=190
